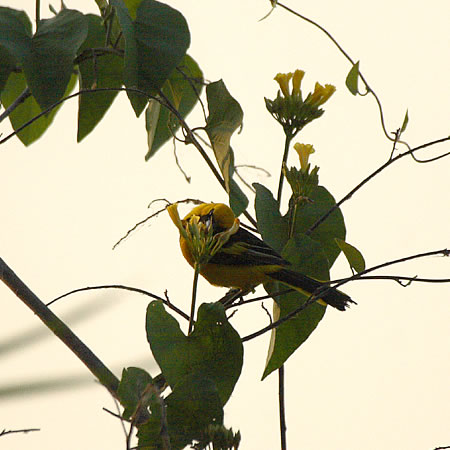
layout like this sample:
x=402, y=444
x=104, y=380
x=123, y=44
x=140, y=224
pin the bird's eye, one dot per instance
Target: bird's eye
x=208, y=219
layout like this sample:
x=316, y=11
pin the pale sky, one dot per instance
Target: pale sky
x=374, y=377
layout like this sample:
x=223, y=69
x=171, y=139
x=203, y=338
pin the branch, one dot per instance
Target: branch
x=76, y=94
x=367, y=179
x=59, y=328
x=18, y=101
x=312, y=298
x=25, y=430
x=126, y=288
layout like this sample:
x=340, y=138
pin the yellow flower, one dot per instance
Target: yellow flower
x=283, y=80
x=321, y=94
x=296, y=80
x=303, y=150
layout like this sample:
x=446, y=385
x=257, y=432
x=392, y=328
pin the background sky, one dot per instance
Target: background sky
x=374, y=377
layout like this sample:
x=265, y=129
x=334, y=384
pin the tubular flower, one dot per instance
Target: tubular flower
x=303, y=151
x=303, y=182
x=296, y=81
x=283, y=80
x=321, y=94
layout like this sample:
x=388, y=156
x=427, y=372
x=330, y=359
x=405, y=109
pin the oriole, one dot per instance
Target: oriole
x=245, y=261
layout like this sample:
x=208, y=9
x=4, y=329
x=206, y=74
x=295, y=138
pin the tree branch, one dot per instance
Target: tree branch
x=59, y=328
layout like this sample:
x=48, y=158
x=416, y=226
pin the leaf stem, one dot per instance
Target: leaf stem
x=38, y=13
x=287, y=143
x=194, y=298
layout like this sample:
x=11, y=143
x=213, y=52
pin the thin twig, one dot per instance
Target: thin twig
x=137, y=225
x=68, y=97
x=25, y=430
x=281, y=403
x=367, y=179
x=126, y=288
x=17, y=102
x=313, y=298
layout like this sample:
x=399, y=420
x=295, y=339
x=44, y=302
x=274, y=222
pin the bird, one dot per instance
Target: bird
x=244, y=260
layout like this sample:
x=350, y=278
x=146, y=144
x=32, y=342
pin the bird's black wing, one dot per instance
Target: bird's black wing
x=244, y=248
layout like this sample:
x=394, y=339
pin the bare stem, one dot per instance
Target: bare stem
x=287, y=143
x=194, y=298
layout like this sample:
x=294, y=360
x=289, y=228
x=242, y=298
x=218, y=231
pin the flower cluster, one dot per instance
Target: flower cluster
x=289, y=108
x=199, y=235
x=302, y=181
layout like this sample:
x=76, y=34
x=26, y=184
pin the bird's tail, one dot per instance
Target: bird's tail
x=308, y=286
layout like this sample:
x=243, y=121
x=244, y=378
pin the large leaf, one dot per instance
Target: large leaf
x=162, y=37
x=28, y=109
x=213, y=350
x=130, y=73
x=15, y=41
x=307, y=257
x=182, y=89
x=15, y=33
x=132, y=389
x=7, y=65
x=103, y=71
x=225, y=117
x=49, y=64
x=272, y=226
x=333, y=227
x=193, y=405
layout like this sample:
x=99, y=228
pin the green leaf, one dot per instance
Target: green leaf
x=272, y=226
x=238, y=200
x=308, y=258
x=132, y=388
x=15, y=41
x=352, y=79
x=225, y=117
x=103, y=71
x=15, y=33
x=7, y=65
x=353, y=255
x=182, y=89
x=28, y=109
x=193, y=405
x=162, y=37
x=405, y=122
x=213, y=350
x=132, y=6
x=49, y=65
x=130, y=74
x=152, y=114
x=332, y=227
